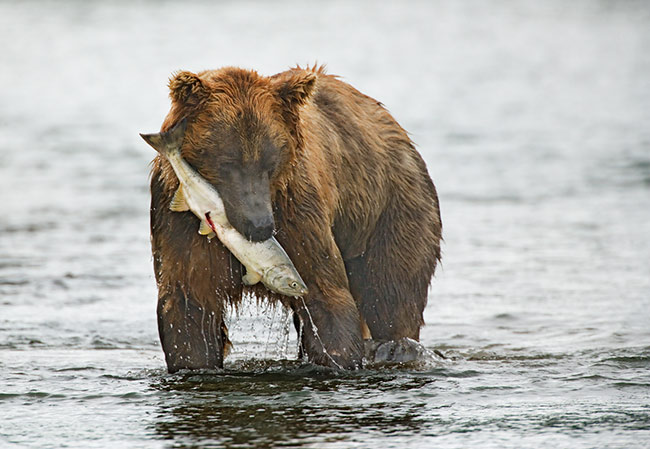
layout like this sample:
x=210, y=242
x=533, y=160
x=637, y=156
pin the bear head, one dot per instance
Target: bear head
x=242, y=136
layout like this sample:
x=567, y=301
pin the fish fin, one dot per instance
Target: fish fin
x=170, y=141
x=179, y=204
x=211, y=235
x=205, y=229
x=251, y=278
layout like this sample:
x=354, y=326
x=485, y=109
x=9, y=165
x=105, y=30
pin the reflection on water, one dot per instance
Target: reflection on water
x=533, y=120
x=291, y=406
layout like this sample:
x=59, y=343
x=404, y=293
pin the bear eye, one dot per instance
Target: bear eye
x=269, y=157
x=269, y=164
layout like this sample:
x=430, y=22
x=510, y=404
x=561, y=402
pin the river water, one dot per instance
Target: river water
x=534, y=120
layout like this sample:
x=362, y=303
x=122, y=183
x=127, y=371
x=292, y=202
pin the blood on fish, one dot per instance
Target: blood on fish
x=207, y=217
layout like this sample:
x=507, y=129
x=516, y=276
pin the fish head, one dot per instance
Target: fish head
x=284, y=279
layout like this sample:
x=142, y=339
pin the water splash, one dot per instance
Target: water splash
x=315, y=328
x=268, y=337
x=260, y=331
x=286, y=331
x=205, y=339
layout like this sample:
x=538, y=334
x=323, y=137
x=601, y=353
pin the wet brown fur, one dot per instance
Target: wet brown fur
x=353, y=205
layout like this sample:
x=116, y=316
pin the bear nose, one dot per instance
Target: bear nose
x=259, y=229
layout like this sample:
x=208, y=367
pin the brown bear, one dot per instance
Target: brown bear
x=326, y=169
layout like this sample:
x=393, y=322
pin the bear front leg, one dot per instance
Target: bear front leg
x=330, y=324
x=331, y=328
x=196, y=278
x=192, y=335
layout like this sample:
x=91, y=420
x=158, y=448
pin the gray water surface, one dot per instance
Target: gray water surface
x=534, y=120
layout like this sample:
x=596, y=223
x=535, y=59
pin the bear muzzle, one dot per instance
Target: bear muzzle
x=259, y=228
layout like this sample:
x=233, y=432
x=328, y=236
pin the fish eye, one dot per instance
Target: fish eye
x=294, y=284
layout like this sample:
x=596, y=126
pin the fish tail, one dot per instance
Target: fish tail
x=168, y=143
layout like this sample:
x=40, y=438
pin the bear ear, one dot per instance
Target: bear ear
x=186, y=88
x=296, y=87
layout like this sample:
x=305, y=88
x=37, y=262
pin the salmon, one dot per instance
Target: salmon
x=265, y=261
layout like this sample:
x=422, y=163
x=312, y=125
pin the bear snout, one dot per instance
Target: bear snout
x=258, y=229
